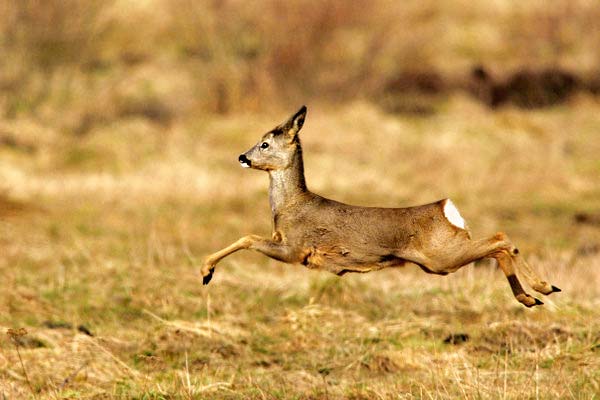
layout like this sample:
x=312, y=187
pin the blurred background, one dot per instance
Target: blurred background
x=93, y=62
x=120, y=126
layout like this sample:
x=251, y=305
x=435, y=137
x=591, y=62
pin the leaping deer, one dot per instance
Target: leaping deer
x=320, y=233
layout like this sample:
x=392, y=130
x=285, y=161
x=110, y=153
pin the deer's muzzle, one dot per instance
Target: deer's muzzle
x=244, y=161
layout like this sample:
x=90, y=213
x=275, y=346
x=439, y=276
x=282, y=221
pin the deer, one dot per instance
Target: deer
x=325, y=234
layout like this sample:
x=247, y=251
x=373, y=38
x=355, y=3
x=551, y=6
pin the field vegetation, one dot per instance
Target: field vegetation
x=120, y=127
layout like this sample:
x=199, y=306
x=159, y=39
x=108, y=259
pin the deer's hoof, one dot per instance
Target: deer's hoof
x=536, y=302
x=545, y=288
x=528, y=301
x=207, y=277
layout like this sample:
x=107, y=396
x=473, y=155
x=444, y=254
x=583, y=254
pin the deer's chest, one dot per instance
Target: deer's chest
x=300, y=231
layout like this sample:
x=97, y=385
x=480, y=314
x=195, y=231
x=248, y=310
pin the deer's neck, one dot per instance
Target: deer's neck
x=287, y=186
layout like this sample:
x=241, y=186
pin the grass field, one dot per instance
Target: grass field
x=120, y=126
x=101, y=239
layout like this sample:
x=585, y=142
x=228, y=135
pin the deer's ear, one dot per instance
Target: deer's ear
x=292, y=126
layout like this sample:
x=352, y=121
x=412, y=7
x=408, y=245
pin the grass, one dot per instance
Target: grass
x=114, y=245
x=82, y=62
x=119, y=173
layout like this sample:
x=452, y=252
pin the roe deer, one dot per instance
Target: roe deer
x=325, y=234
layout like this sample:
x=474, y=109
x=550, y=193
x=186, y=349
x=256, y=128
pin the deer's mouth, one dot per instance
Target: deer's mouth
x=244, y=161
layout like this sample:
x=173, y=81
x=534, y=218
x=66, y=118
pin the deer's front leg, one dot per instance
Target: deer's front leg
x=270, y=248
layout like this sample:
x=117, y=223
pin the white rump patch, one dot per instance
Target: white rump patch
x=451, y=213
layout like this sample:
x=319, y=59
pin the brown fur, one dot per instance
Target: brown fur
x=325, y=234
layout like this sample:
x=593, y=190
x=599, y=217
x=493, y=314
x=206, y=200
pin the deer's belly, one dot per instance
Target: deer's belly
x=339, y=260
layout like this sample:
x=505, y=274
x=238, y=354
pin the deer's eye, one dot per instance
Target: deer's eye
x=264, y=145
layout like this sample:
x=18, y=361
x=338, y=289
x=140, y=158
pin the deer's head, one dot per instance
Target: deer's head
x=276, y=149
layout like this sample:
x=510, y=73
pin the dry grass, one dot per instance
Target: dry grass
x=118, y=174
x=82, y=58
x=112, y=238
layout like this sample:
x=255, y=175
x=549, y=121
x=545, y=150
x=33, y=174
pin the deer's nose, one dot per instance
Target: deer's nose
x=244, y=161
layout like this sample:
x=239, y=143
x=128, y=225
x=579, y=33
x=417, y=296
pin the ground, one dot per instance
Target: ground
x=102, y=236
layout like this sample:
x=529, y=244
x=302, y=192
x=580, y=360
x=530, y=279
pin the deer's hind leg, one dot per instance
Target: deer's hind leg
x=498, y=247
x=532, y=278
x=523, y=268
x=506, y=264
x=509, y=260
